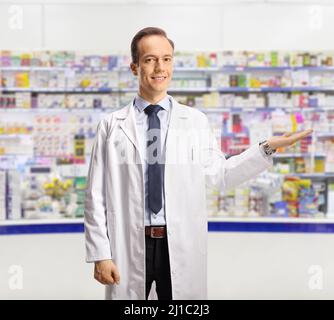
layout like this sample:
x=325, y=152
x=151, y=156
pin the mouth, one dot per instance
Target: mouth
x=159, y=78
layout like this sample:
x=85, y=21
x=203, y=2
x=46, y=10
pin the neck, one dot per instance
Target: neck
x=151, y=97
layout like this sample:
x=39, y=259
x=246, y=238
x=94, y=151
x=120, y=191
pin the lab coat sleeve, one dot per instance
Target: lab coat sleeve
x=96, y=231
x=228, y=173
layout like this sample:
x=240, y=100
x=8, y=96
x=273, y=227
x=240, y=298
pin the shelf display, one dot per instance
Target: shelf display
x=51, y=102
x=48, y=196
x=254, y=59
x=3, y=211
x=272, y=195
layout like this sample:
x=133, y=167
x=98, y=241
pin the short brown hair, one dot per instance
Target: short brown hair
x=149, y=31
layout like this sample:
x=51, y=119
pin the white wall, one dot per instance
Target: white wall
x=193, y=24
x=270, y=266
x=51, y=266
x=240, y=266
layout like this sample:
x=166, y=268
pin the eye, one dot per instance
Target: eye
x=168, y=59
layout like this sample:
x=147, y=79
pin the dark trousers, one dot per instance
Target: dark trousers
x=157, y=267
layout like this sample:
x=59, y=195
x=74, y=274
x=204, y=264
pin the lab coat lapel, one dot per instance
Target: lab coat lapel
x=176, y=126
x=128, y=124
x=178, y=112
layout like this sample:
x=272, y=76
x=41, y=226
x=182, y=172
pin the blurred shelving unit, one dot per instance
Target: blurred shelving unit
x=63, y=103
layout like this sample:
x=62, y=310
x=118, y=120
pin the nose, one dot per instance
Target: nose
x=159, y=65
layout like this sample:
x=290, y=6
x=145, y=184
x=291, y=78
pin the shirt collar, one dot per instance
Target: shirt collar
x=141, y=103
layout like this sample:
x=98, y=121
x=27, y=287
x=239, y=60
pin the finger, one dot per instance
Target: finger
x=109, y=282
x=116, y=276
x=108, y=278
x=100, y=279
x=287, y=134
x=103, y=282
x=106, y=281
x=301, y=135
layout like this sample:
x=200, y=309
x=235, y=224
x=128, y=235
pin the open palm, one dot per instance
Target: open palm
x=288, y=139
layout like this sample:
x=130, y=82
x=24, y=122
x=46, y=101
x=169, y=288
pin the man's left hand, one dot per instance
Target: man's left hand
x=287, y=139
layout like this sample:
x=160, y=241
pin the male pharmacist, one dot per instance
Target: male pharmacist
x=145, y=215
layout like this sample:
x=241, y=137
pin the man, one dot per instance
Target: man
x=145, y=216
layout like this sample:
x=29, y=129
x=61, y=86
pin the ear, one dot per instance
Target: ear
x=134, y=68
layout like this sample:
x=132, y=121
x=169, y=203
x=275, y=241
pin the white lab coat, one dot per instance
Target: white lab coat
x=115, y=209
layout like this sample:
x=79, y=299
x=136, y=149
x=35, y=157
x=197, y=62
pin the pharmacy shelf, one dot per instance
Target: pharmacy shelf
x=40, y=226
x=40, y=221
x=91, y=90
x=271, y=89
x=32, y=68
x=241, y=69
x=325, y=134
x=176, y=90
x=231, y=68
x=309, y=175
x=298, y=155
x=203, y=109
x=210, y=219
x=67, y=90
x=278, y=68
x=270, y=219
x=276, y=156
x=47, y=110
x=262, y=109
x=63, y=90
x=15, y=136
x=215, y=224
x=271, y=225
x=226, y=69
x=252, y=69
x=201, y=74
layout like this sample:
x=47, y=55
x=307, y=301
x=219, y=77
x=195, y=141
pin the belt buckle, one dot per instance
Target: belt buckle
x=152, y=233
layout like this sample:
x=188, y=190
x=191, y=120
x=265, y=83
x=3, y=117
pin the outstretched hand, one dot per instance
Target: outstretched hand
x=287, y=139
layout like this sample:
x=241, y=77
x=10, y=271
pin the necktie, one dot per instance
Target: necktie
x=155, y=165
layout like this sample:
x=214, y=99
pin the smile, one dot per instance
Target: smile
x=159, y=78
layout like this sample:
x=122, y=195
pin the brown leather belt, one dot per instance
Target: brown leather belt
x=156, y=232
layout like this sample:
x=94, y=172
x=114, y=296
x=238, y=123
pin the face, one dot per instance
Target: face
x=155, y=65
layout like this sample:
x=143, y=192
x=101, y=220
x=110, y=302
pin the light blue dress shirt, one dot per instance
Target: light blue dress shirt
x=141, y=119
